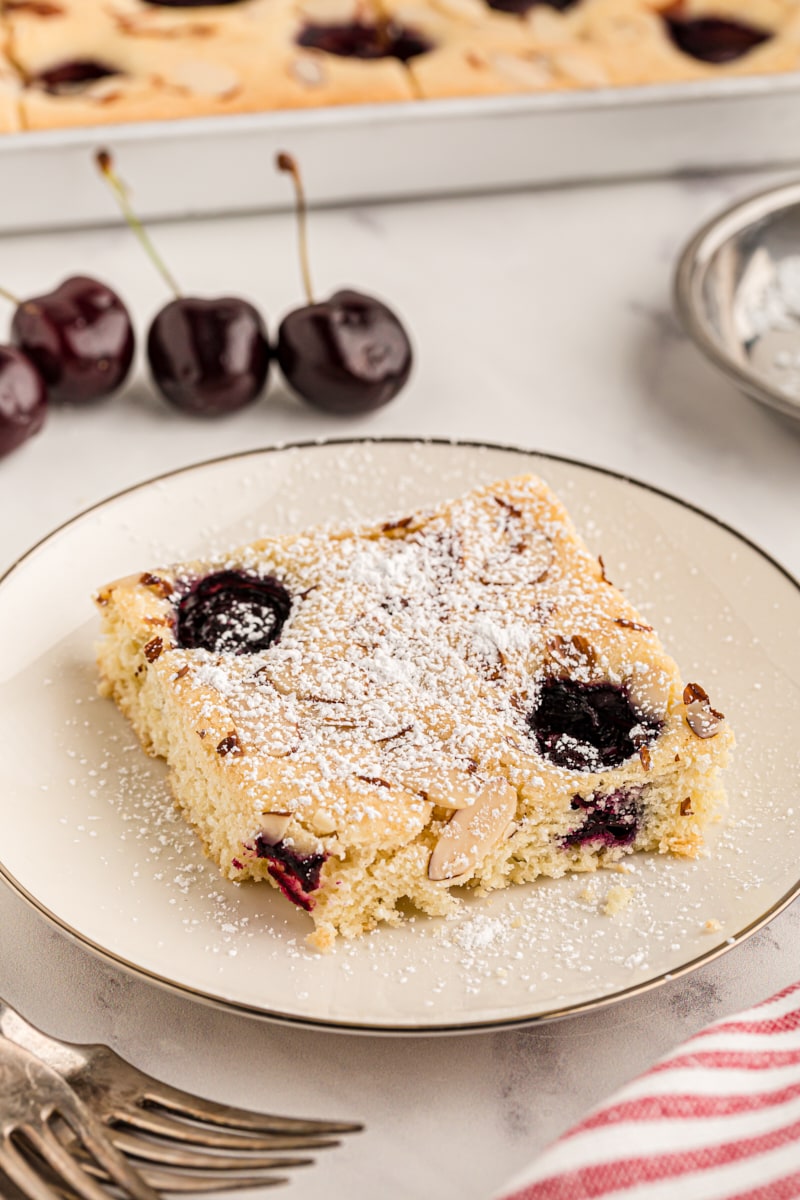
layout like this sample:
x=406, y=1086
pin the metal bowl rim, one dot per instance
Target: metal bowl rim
x=691, y=270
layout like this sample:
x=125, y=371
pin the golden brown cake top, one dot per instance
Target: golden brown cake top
x=361, y=677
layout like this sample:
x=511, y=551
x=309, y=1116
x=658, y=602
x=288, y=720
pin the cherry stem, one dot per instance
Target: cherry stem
x=12, y=299
x=285, y=162
x=105, y=165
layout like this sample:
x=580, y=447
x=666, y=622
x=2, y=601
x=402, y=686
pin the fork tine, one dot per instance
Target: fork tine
x=176, y=1181
x=186, y=1105
x=10, y=1191
x=63, y=1165
x=220, y=1180
x=217, y=1139
x=180, y=1156
x=94, y=1137
x=23, y=1176
x=179, y=1181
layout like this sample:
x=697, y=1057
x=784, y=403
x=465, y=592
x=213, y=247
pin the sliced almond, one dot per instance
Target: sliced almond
x=548, y=25
x=274, y=826
x=581, y=68
x=523, y=559
x=573, y=652
x=703, y=720
x=205, y=78
x=324, y=822
x=307, y=71
x=100, y=91
x=321, y=680
x=330, y=12
x=534, y=73
x=463, y=10
x=472, y=832
x=648, y=690
x=446, y=787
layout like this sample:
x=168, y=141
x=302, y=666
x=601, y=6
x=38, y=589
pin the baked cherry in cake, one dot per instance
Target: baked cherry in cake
x=297, y=875
x=362, y=39
x=65, y=78
x=521, y=7
x=588, y=726
x=189, y=3
x=713, y=39
x=231, y=612
x=611, y=820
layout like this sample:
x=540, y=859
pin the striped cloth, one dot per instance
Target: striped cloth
x=718, y=1119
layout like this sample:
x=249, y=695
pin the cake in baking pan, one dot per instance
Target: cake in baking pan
x=373, y=718
x=10, y=86
x=90, y=62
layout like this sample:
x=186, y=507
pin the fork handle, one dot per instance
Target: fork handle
x=58, y=1054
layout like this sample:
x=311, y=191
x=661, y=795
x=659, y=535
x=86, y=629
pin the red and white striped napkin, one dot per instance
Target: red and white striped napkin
x=718, y=1119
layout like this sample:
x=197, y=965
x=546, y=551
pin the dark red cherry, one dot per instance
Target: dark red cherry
x=297, y=875
x=362, y=39
x=79, y=336
x=189, y=3
x=233, y=613
x=588, y=726
x=714, y=39
x=520, y=7
x=612, y=819
x=349, y=354
x=71, y=76
x=23, y=399
x=208, y=356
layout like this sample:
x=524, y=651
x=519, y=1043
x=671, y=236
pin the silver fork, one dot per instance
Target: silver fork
x=33, y=1097
x=169, y=1128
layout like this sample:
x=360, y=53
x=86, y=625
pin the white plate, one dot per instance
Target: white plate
x=91, y=840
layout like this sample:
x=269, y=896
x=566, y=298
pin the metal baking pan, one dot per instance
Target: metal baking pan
x=376, y=152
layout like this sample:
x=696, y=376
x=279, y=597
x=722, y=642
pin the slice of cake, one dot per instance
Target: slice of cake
x=371, y=717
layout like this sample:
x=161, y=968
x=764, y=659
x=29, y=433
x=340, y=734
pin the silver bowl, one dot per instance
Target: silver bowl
x=737, y=295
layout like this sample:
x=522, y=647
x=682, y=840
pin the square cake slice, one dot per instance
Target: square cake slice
x=371, y=717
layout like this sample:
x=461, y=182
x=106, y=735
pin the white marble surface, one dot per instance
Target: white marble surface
x=541, y=319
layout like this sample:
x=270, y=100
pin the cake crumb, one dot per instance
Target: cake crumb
x=617, y=898
x=712, y=925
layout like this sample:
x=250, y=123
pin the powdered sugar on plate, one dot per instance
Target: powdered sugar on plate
x=91, y=836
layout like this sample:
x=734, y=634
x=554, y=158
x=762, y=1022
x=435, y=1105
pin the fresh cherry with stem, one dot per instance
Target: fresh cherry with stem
x=79, y=337
x=23, y=399
x=208, y=357
x=348, y=354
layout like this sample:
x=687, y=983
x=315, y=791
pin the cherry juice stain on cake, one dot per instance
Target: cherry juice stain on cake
x=362, y=39
x=588, y=726
x=297, y=875
x=713, y=39
x=612, y=819
x=232, y=612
